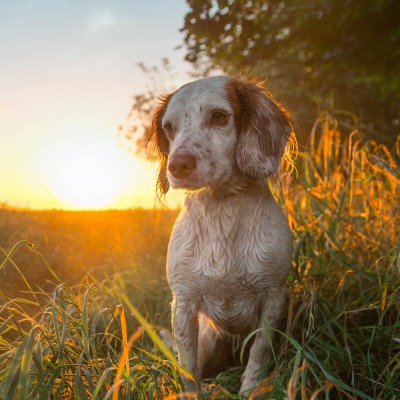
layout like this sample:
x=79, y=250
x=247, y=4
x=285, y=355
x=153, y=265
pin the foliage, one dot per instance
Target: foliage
x=316, y=55
x=342, y=336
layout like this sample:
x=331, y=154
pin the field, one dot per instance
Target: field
x=84, y=293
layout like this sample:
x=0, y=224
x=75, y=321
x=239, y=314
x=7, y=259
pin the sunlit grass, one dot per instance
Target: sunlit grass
x=80, y=346
x=98, y=339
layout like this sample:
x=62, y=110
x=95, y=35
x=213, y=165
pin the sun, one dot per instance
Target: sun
x=84, y=171
x=86, y=180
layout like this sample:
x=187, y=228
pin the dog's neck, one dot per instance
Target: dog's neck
x=236, y=185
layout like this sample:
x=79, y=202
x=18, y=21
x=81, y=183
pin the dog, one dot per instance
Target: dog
x=230, y=251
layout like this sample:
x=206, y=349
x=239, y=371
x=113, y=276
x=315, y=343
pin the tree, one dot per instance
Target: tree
x=319, y=54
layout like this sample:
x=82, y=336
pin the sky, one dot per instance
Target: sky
x=68, y=71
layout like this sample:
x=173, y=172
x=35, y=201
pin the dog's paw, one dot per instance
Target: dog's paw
x=248, y=384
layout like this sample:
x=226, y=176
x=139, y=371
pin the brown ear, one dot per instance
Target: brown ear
x=264, y=128
x=160, y=144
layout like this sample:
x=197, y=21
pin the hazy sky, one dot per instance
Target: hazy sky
x=67, y=75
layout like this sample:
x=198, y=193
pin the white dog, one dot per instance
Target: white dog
x=230, y=250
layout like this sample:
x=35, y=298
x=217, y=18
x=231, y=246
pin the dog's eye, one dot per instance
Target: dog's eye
x=168, y=130
x=167, y=126
x=219, y=118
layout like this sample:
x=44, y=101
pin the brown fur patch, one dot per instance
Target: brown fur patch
x=263, y=125
x=161, y=144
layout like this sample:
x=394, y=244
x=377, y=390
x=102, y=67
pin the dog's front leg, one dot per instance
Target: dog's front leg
x=261, y=348
x=186, y=332
x=258, y=355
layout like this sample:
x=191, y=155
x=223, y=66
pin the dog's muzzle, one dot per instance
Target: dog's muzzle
x=181, y=166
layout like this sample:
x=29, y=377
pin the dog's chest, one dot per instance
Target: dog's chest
x=223, y=260
x=234, y=305
x=218, y=241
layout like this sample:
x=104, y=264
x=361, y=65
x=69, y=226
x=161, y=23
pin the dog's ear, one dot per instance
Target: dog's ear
x=264, y=129
x=160, y=145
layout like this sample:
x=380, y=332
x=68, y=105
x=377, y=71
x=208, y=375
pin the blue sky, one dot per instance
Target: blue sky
x=69, y=67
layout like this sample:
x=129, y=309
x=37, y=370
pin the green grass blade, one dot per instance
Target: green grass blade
x=105, y=377
x=40, y=374
x=26, y=365
x=85, y=325
x=9, y=386
x=79, y=386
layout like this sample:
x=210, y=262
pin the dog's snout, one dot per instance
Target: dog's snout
x=181, y=166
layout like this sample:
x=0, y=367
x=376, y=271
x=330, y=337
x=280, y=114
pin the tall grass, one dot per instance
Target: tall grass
x=80, y=345
x=97, y=340
x=343, y=335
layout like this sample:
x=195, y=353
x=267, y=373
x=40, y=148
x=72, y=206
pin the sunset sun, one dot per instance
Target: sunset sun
x=85, y=172
x=86, y=180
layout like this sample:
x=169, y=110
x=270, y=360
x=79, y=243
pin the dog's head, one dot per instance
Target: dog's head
x=213, y=128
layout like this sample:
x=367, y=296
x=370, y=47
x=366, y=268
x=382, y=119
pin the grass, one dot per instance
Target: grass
x=92, y=335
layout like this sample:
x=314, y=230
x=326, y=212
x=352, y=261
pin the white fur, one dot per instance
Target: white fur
x=230, y=250
x=186, y=112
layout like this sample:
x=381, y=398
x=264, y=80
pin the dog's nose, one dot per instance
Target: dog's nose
x=181, y=166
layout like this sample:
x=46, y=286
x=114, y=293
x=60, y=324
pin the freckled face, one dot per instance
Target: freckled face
x=199, y=123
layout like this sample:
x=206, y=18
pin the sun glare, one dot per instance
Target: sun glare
x=87, y=180
x=84, y=172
